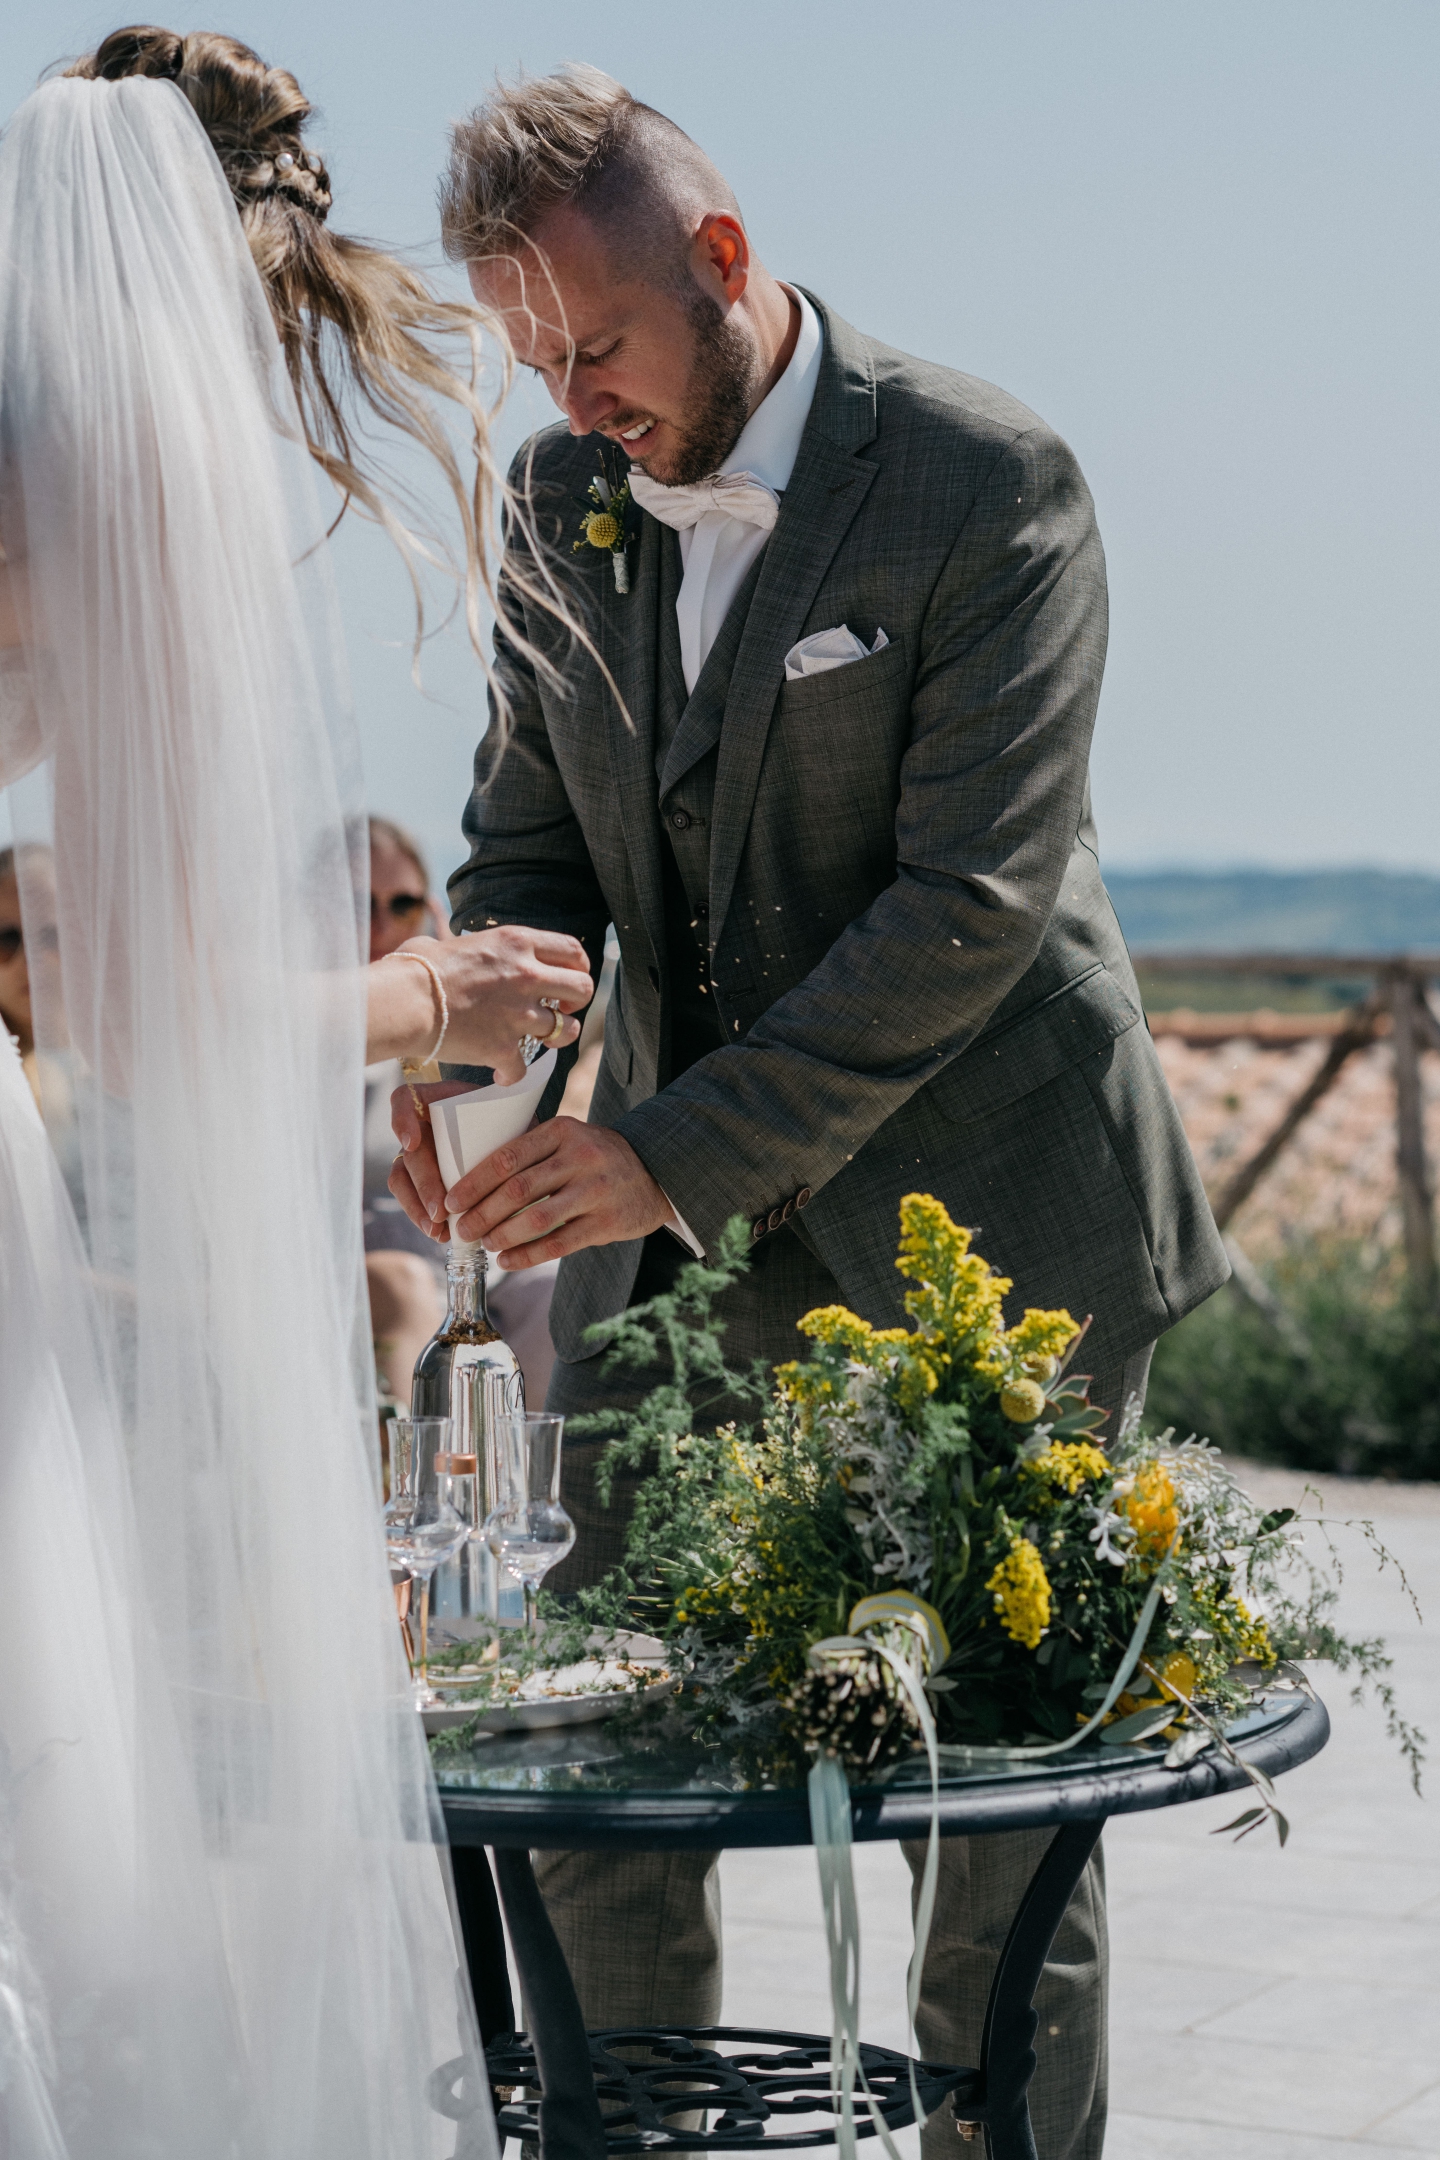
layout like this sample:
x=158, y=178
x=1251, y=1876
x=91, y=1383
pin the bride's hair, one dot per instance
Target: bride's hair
x=355, y=322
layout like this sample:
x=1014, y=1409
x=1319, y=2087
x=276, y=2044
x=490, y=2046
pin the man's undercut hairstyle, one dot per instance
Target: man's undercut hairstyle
x=579, y=139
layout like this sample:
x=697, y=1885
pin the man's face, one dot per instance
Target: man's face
x=666, y=371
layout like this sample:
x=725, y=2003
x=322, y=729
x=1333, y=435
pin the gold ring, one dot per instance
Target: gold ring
x=557, y=1032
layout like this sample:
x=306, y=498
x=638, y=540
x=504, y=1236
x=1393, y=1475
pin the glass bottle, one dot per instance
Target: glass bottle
x=468, y=1373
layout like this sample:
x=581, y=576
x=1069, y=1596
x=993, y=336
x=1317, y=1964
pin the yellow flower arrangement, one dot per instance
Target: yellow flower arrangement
x=1021, y=1590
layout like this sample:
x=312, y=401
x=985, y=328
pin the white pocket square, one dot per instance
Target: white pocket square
x=827, y=649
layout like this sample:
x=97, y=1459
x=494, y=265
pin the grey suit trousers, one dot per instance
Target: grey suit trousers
x=641, y=1931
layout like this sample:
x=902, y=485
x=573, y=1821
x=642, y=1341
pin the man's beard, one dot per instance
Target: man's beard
x=717, y=404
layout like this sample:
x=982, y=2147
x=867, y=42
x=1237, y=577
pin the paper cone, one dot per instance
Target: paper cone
x=469, y=1127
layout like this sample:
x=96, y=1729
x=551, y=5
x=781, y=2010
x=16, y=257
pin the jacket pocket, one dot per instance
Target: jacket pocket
x=876, y=676
x=1035, y=1046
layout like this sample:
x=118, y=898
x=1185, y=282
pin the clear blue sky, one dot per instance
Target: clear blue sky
x=1200, y=240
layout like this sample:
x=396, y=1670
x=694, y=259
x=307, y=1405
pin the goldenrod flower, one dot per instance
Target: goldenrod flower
x=1022, y=1401
x=1021, y=1590
x=601, y=530
x=1067, y=1463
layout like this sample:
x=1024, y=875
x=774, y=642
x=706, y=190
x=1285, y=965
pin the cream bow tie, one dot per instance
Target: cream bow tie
x=739, y=495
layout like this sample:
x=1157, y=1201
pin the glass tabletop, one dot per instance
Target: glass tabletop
x=613, y=1758
x=613, y=1785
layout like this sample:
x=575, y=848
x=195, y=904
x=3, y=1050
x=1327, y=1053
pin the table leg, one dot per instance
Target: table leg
x=484, y=1940
x=570, y=2122
x=1007, y=2054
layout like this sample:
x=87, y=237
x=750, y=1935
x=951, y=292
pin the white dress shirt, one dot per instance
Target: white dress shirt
x=718, y=551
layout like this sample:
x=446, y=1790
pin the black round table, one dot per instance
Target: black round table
x=606, y=1785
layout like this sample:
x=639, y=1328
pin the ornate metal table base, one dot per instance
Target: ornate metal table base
x=590, y=2102
x=752, y=2084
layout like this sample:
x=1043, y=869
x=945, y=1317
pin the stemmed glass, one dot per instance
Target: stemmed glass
x=422, y=1529
x=527, y=1528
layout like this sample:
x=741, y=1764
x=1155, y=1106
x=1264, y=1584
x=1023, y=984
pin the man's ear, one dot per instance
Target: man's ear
x=720, y=256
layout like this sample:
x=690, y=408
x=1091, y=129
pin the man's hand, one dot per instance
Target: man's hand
x=558, y=1188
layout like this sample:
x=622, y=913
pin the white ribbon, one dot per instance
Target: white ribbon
x=829, y=1791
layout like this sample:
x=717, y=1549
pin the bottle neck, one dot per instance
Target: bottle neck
x=465, y=1285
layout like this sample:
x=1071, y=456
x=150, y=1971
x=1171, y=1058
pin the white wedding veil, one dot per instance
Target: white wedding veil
x=225, y=1923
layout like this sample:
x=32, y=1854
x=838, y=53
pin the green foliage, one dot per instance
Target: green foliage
x=1354, y=1386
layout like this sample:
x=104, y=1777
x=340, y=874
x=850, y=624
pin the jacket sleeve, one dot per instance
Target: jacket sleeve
x=1012, y=649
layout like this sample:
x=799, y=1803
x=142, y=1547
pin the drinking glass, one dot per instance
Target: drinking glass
x=527, y=1528
x=422, y=1528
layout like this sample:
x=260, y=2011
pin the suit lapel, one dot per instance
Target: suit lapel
x=671, y=695
x=628, y=641
x=827, y=487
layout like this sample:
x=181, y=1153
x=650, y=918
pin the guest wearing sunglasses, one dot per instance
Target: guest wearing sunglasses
x=401, y=903
x=16, y=1006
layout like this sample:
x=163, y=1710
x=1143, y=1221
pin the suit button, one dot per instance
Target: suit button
x=757, y=1230
x=787, y=1211
x=776, y=1218
x=680, y=819
x=802, y=1198
x=654, y=974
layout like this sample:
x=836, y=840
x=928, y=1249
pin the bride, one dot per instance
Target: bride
x=225, y=1909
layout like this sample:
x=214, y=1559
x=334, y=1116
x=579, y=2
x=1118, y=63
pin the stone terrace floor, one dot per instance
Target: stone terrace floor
x=1265, y=2005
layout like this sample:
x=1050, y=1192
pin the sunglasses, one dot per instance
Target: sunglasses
x=401, y=906
x=12, y=940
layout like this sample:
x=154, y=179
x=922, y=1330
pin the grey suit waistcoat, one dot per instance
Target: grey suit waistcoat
x=685, y=800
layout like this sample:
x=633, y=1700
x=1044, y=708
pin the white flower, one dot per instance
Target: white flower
x=1107, y=1523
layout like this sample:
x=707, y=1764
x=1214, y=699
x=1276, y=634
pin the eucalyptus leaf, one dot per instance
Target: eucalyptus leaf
x=1138, y=1726
x=1188, y=1746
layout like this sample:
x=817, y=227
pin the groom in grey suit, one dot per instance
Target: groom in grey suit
x=821, y=760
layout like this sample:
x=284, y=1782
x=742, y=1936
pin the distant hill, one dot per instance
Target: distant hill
x=1291, y=911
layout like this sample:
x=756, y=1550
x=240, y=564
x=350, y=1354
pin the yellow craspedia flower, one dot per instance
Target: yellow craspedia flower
x=1067, y=1463
x=601, y=529
x=1154, y=1510
x=1022, y=1401
x=1021, y=1590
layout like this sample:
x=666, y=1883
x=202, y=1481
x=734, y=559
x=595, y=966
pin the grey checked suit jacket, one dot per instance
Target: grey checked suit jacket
x=920, y=979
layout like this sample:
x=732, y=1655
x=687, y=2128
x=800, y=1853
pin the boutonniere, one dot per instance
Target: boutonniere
x=603, y=528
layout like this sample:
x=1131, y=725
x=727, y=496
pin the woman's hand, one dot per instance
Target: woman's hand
x=494, y=983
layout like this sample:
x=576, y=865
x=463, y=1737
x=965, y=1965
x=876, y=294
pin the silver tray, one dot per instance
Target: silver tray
x=536, y=1716
x=586, y=1706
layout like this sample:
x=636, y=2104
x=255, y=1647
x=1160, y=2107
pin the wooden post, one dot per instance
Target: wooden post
x=1358, y=1032
x=1416, y=1198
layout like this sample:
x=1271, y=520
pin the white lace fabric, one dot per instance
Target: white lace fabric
x=225, y=1927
